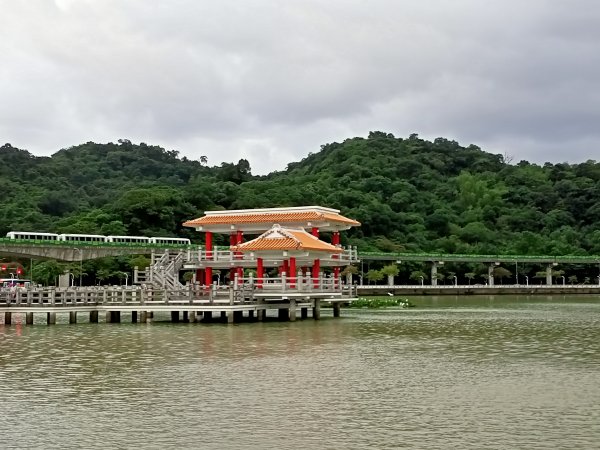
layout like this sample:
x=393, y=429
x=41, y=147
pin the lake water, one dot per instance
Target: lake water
x=453, y=373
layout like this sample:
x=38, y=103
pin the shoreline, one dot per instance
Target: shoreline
x=476, y=290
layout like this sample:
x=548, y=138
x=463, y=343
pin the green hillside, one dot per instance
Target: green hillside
x=410, y=194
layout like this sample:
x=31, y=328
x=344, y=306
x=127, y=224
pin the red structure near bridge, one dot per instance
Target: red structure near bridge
x=289, y=240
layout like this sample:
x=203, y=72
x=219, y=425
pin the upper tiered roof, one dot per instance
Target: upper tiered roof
x=286, y=239
x=260, y=220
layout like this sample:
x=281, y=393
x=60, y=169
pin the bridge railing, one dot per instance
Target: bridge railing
x=349, y=255
x=241, y=291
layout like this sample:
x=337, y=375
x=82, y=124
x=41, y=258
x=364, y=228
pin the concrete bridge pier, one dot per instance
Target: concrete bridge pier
x=29, y=318
x=51, y=318
x=260, y=315
x=113, y=316
x=434, y=267
x=317, y=310
x=144, y=317
x=230, y=316
x=7, y=318
x=292, y=310
x=93, y=316
x=491, y=274
x=73, y=317
x=549, y=274
x=336, y=309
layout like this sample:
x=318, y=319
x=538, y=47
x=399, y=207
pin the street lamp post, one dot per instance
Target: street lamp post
x=72, y=277
x=526, y=280
x=563, y=278
x=455, y=281
x=421, y=280
x=126, y=278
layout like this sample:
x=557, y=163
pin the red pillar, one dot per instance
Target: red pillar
x=315, y=232
x=316, y=268
x=239, y=238
x=292, y=272
x=285, y=268
x=200, y=276
x=208, y=244
x=335, y=238
x=209, y=254
x=260, y=272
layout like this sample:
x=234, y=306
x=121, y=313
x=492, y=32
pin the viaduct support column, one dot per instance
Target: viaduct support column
x=491, y=274
x=434, y=273
x=549, y=274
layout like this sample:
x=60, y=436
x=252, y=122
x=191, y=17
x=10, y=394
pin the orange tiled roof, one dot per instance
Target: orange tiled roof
x=268, y=217
x=278, y=238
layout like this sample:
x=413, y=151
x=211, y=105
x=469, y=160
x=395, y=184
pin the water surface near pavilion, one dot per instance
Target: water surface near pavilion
x=454, y=372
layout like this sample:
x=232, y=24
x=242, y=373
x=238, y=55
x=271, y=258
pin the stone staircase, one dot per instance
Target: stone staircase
x=163, y=271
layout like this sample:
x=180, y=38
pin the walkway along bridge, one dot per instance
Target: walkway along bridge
x=249, y=296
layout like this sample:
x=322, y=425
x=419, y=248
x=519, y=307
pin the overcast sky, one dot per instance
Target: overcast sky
x=270, y=81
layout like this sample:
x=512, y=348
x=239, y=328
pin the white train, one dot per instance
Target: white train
x=32, y=236
x=91, y=238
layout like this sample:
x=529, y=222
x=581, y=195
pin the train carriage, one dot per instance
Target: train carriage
x=81, y=238
x=32, y=236
x=128, y=239
x=169, y=241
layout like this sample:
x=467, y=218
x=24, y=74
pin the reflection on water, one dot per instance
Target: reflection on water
x=462, y=372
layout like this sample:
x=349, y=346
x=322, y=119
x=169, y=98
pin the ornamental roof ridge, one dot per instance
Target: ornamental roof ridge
x=290, y=209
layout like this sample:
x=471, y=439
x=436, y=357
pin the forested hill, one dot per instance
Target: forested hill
x=410, y=194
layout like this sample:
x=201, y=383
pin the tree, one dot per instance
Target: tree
x=469, y=276
x=573, y=279
x=374, y=276
x=390, y=271
x=348, y=272
x=501, y=273
x=47, y=272
x=417, y=275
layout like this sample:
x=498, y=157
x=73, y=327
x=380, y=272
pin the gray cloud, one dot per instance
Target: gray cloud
x=271, y=81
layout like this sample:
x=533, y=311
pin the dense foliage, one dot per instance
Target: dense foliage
x=410, y=194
